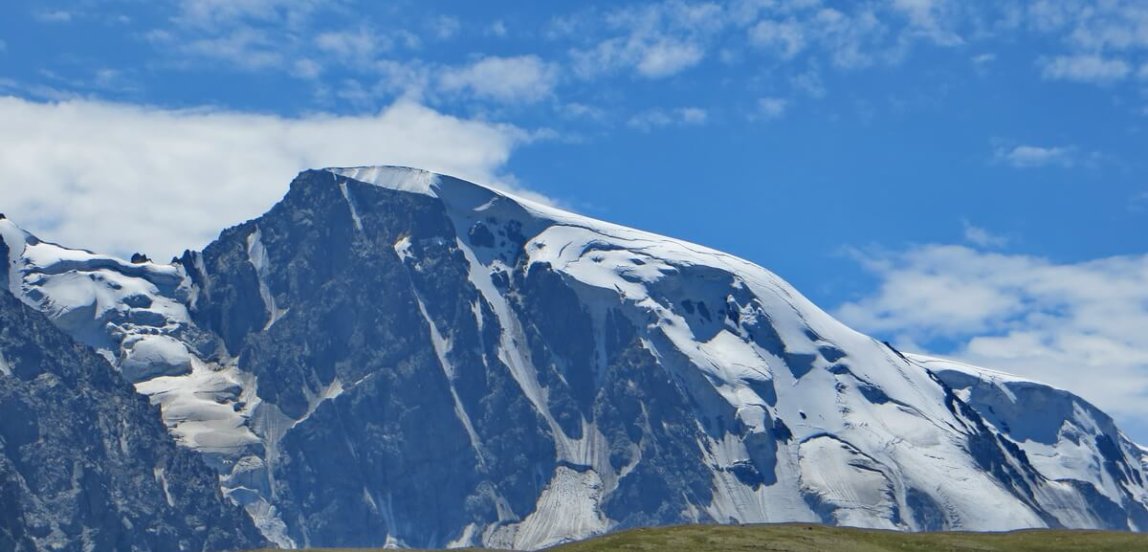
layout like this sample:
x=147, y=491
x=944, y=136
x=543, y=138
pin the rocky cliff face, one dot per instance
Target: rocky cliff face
x=85, y=461
x=391, y=356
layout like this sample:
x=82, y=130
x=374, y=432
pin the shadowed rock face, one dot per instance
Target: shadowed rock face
x=431, y=431
x=85, y=462
x=394, y=357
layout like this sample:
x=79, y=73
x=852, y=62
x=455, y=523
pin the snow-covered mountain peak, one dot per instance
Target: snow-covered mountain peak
x=538, y=376
x=405, y=179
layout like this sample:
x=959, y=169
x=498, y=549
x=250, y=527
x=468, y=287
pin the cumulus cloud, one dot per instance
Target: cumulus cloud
x=121, y=178
x=1078, y=326
x=505, y=79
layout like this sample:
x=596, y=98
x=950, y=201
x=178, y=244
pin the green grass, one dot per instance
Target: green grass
x=818, y=538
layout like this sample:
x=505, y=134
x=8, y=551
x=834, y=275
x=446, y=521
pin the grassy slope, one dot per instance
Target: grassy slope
x=817, y=538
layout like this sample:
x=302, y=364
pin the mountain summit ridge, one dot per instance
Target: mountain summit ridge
x=390, y=356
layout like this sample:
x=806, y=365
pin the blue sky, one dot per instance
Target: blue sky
x=963, y=178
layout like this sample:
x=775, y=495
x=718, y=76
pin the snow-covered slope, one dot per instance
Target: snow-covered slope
x=391, y=356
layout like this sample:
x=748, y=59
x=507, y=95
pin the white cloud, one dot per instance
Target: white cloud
x=1023, y=157
x=354, y=47
x=852, y=40
x=246, y=48
x=121, y=178
x=658, y=118
x=787, y=38
x=1079, y=326
x=505, y=79
x=1108, y=25
x=930, y=19
x=665, y=58
x=655, y=40
x=649, y=58
x=772, y=108
x=1085, y=68
x=214, y=14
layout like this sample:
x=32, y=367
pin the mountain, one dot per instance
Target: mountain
x=395, y=357
x=85, y=461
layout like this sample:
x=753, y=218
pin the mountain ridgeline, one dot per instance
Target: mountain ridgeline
x=395, y=357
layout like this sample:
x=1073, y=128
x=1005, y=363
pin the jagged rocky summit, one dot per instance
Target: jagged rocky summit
x=395, y=357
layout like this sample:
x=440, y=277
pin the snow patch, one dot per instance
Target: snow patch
x=568, y=510
x=148, y=356
x=358, y=222
x=158, y=472
x=847, y=487
x=403, y=248
x=467, y=539
x=206, y=409
x=257, y=255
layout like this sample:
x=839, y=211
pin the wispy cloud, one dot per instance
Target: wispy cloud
x=658, y=118
x=982, y=237
x=172, y=179
x=772, y=108
x=785, y=38
x=53, y=16
x=653, y=40
x=651, y=59
x=1074, y=325
x=504, y=79
x=244, y=48
x=220, y=14
x=1025, y=156
x=981, y=60
x=359, y=46
x=1092, y=69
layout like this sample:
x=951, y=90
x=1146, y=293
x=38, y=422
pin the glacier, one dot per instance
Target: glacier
x=393, y=357
x=85, y=461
